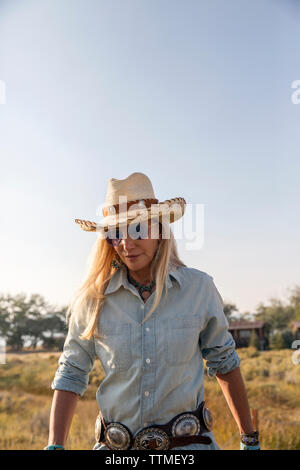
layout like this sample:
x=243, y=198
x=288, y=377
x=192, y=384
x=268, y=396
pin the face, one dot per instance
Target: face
x=136, y=253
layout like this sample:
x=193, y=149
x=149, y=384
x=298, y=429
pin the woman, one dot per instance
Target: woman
x=150, y=319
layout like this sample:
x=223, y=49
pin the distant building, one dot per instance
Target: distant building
x=296, y=329
x=242, y=330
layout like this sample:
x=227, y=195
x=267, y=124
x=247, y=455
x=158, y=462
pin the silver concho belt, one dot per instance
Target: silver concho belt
x=116, y=436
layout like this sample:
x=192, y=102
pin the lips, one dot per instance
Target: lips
x=132, y=257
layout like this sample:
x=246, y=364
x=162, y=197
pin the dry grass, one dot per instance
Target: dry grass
x=272, y=382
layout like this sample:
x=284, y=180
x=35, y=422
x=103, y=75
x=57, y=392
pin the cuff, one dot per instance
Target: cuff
x=66, y=378
x=225, y=366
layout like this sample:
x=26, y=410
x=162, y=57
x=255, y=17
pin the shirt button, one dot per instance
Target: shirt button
x=145, y=424
x=147, y=329
x=142, y=307
x=146, y=393
x=148, y=360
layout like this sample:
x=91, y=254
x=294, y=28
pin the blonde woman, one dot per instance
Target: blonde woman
x=151, y=320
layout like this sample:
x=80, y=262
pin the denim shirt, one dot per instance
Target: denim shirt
x=152, y=371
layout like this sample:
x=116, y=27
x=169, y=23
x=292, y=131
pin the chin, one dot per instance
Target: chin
x=136, y=264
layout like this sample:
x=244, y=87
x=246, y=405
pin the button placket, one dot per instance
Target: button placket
x=148, y=374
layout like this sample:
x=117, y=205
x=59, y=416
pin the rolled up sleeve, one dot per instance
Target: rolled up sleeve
x=216, y=343
x=76, y=360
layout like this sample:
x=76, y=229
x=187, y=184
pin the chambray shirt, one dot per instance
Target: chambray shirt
x=152, y=371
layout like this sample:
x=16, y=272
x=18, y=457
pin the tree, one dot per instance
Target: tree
x=30, y=321
x=4, y=320
x=294, y=300
x=55, y=330
x=287, y=337
x=277, y=341
x=16, y=309
x=228, y=310
x=275, y=316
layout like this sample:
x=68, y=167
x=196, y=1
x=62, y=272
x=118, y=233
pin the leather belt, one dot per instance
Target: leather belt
x=184, y=429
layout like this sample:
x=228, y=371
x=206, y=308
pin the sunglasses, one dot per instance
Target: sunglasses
x=138, y=231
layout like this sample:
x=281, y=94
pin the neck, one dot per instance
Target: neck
x=142, y=276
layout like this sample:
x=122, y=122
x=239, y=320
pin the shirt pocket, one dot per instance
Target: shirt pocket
x=181, y=340
x=113, y=346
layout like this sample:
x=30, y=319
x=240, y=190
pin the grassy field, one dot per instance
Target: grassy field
x=272, y=381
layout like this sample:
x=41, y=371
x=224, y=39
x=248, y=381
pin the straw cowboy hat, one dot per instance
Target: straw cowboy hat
x=133, y=199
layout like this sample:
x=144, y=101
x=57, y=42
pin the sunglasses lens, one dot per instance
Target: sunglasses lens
x=114, y=237
x=137, y=231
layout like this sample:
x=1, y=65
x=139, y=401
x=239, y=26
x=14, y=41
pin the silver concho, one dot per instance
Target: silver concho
x=143, y=438
x=186, y=425
x=207, y=418
x=98, y=426
x=117, y=436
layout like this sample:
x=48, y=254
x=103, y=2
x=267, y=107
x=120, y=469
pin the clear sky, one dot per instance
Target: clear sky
x=196, y=94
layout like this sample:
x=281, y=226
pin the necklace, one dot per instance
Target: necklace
x=142, y=289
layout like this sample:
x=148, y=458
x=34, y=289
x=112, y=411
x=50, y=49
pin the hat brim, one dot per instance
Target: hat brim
x=168, y=211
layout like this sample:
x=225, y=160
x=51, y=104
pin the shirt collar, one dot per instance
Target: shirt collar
x=120, y=279
x=175, y=274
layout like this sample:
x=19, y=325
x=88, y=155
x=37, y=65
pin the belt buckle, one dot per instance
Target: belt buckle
x=186, y=424
x=117, y=436
x=98, y=426
x=207, y=418
x=152, y=438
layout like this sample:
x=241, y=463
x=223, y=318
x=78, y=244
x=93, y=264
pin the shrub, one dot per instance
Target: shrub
x=277, y=341
x=254, y=340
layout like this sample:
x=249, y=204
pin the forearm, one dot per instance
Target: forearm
x=61, y=415
x=234, y=391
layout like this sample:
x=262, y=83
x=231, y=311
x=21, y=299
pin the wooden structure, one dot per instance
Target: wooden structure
x=242, y=331
x=296, y=329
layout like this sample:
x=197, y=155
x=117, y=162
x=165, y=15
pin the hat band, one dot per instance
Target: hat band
x=115, y=208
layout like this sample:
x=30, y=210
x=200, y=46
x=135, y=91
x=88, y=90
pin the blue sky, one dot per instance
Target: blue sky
x=195, y=94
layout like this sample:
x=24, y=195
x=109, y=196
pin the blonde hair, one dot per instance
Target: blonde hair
x=100, y=272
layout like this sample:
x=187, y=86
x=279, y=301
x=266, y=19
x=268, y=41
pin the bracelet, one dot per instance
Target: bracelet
x=54, y=447
x=245, y=447
x=250, y=439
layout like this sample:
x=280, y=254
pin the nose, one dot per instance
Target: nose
x=127, y=243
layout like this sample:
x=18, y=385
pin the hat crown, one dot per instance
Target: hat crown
x=133, y=199
x=135, y=186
